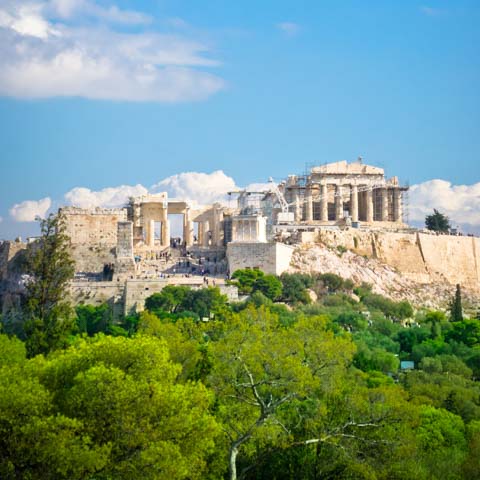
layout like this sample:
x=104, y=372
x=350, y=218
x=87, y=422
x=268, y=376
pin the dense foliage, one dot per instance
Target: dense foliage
x=437, y=222
x=197, y=387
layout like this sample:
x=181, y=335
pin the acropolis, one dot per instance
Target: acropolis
x=124, y=254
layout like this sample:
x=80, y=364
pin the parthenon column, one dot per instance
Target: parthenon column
x=308, y=205
x=369, y=195
x=384, y=205
x=338, y=202
x=354, y=203
x=298, y=208
x=165, y=228
x=397, y=205
x=324, y=202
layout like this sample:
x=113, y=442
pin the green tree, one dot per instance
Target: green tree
x=295, y=287
x=437, y=222
x=269, y=285
x=107, y=407
x=47, y=312
x=170, y=299
x=245, y=279
x=261, y=367
x=456, y=312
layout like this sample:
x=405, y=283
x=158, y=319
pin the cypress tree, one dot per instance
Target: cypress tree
x=456, y=314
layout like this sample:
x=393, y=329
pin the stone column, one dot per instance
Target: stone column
x=166, y=233
x=384, y=205
x=397, y=205
x=187, y=229
x=165, y=229
x=324, y=202
x=338, y=202
x=308, y=205
x=298, y=208
x=354, y=203
x=150, y=233
x=216, y=231
x=369, y=195
x=206, y=228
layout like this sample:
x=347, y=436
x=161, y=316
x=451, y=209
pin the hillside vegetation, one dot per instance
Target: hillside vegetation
x=302, y=380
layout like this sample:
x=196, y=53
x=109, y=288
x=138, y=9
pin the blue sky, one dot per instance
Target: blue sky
x=253, y=88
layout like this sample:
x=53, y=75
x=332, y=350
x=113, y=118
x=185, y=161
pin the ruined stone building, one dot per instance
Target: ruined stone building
x=123, y=255
x=337, y=192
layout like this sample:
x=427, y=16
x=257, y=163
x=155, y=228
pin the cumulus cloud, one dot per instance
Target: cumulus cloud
x=461, y=203
x=289, y=28
x=196, y=187
x=46, y=50
x=29, y=210
x=107, y=197
x=201, y=188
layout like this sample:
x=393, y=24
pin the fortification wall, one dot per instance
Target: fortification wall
x=93, y=235
x=97, y=226
x=422, y=257
x=451, y=258
x=271, y=258
x=129, y=296
x=8, y=251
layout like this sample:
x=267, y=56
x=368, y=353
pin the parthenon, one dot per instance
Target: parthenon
x=335, y=192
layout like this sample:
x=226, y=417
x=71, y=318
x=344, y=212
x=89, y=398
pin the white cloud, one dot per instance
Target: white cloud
x=107, y=197
x=461, y=203
x=29, y=210
x=201, y=188
x=196, y=187
x=43, y=55
x=289, y=28
x=66, y=9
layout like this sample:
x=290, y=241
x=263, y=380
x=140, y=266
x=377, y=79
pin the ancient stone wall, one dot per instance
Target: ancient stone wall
x=97, y=226
x=422, y=257
x=93, y=235
x=128, y=297
x=271, y=258
x=8, y=252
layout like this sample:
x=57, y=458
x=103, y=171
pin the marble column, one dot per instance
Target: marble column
x=298, y=208
x=384, y=205
x=308, y=205
x=324, y=202
x=165, y=229
x=369, y=206
x=200, y=233
x=187, y=229
x=206, y=239
x=217, y=239
x=338, y=202
x=150, y=233
x=397, y=205
x=354, y=203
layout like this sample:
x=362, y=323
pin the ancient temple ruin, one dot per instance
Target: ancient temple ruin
x=338, y=192
x=125, y=254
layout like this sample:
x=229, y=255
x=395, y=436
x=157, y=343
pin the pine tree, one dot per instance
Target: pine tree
x=437, y=222
x=47, y=312
x=456, y=314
